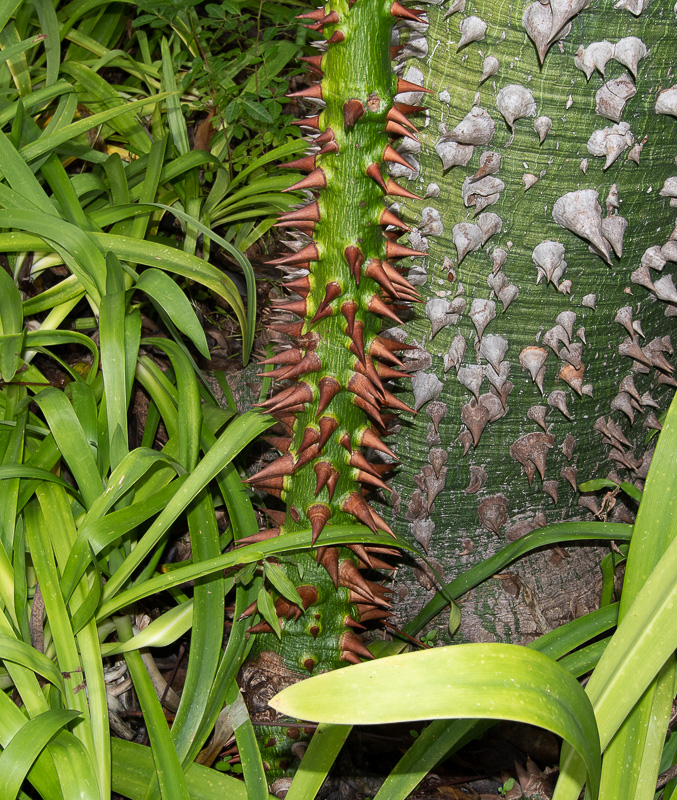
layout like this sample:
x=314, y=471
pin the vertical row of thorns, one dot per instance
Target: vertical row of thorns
x=334, y=369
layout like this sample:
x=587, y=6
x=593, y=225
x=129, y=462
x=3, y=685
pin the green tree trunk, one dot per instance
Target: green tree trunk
x=546, y=165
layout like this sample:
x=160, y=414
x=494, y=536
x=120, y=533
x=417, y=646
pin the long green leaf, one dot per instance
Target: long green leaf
x=133, y=768
x=46, y=144
x=238, y=434
x=26, y=745
x=491, y=681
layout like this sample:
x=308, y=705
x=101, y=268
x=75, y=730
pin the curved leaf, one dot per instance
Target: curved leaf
x=486, y=681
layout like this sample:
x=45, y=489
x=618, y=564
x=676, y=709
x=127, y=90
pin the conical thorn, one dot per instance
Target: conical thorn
x=395, y=190
x=329, y=387
x=374, y=172
x=319, y=515
x=353, y=109
x=316, y=180
x=356, y=507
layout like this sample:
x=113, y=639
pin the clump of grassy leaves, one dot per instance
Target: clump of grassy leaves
x=95, y=153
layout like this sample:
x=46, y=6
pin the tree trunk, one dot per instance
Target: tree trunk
x=542, y=350
x=544, y=353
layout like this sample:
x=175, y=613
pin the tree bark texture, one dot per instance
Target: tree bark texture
x=547, y=167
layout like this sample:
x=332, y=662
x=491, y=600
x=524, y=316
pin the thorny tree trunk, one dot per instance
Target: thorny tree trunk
x=545, y=355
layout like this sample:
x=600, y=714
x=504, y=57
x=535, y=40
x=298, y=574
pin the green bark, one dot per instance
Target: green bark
x=468, y=483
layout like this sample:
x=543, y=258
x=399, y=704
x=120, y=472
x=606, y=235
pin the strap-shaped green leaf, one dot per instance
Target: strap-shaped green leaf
x=19, y=652
x=26, y=745
x=493, y=681
x=173, y=300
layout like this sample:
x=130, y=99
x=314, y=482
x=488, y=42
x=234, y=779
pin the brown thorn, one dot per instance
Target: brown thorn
x=336, y=37
x=307, y=212
x=310, y=363
x=352, y=643
x=327, y=135
x=367, y=369
x=370, y=409
x=302, y=225
x=327, y=426
x=308, y=122
x=309, y=664
x=381, y=523
x=278, y=517
x=273, y=401
x=330, y=19
x=329, y=387
x=315, y=14
x=357, y=337
x=261, y=627
x=323, y=471
x=366, y=477
x=314, y=92
x=376, y=272
x=356, y=507
x=355, y=259
x=316, y=180
x=351, y=578
x=299, y=285
x=362, y=386
x=349, y=309
x=298, y=307
x=349, y=657
x=314, y=62
x=321, y=313
x=248, y=612
x=353, y=109
x=308, y=594
x=377, y=306
x=407, y=86
x=302, y=393
x=280, y=323
x=407, y=108
x=395, y=115
x=330, y=561
x=307, y=253
x=395, y=190
x=374, y=172
x=361, y=553
x=280, y=443
x=390, y=401
x=319, y=515
x=369, y=613
x=345, y=442
x=387, y=373
x=311, y=452
x=310, y=436
x=255, y=538
x=329, y=147
x=397, y=10
x=395, y=50
x=359, y=461
x=379, y=348
x=331, y=292
x=396, y=129
x=371, y=439
x=351, y=623
x=284, y=465
x=286, y=357
x=394, y=250
x=305, y=164
x=388, y=218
